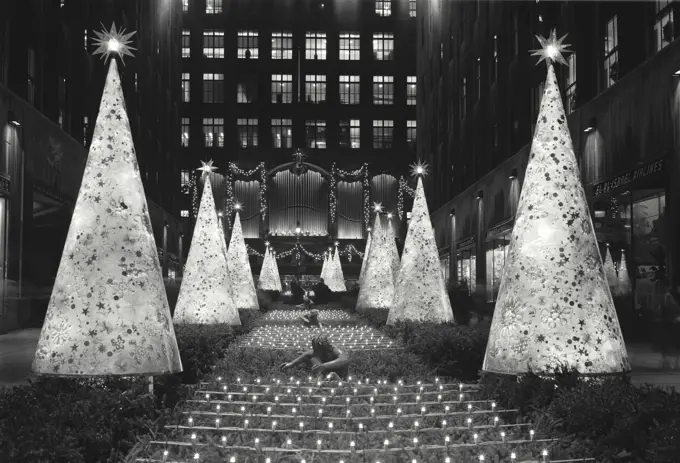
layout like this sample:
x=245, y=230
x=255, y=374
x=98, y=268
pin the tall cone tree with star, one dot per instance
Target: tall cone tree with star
x=336, y=278
x=239, y=269
x=377, y=288
x=365, y=259
x=419, y=291
x=554, y=306
x=610, y=271
x=324, y=266
x=109, y=313
x=624, y=286
x=392, y=244
x=267, y=280
x=205, y=296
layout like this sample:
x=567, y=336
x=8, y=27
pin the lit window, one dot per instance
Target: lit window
x=463, y=98
x=383, y=46
x=282, y=88
x=247, y=44
x=411, y=90
x=185, y=131
x=383, y=90
x=184, y=213
x=282, y=45
x=213, y=6
x=315, y=134
x=350, y=46
x=213, y=88
x=185, y=182
x=383, y=7
x=611, y=52
x=570, y=88
x=282, y=133
x=349, y=89
x=350, y=134
x=186, y=87
x=315, y=45
x=664, y=32
x=411, y=129
x=186, y=44
x=213, y=132
x=315, y=89
x=185, y=5
x=246, y=91
x=213, y=44
x=86, y=128
x=247, y=133
x=383, y=134
x=412, y=8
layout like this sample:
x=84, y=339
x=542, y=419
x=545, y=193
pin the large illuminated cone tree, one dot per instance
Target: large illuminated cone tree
x=109, y=313
x=419, y=291
x=554, y=307
x=205, y=296
x=377, y=288
x=624, y=286
x=394, y=252
x=268, y=274
x=239, y=269
x=336, y=278
x=365, y=259
x=610, y=271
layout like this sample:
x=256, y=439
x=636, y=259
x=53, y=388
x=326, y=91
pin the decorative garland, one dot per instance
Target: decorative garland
x=347, y=251
x=235, y=170
x=193, y=185
x=403, y=186
x=345, y=174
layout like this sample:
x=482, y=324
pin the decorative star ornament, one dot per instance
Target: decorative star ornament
x=551, y=49
x=237, y=206
x=266, y=243
x=389, y=215
x=377, y=207
x=113, y=42
x=419, y=169
x=207, y=167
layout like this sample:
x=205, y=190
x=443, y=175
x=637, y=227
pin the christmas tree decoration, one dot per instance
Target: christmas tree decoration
x=377, y=288
x=239, y=269
x=392, y=245
x=554, y=307
x=624, y=286
x=275, y=268
x=268, y=274
x=336, y=278
x=324, y=266
x=610, y=271
x=365, y=259
x=223, y=236
x=109, y=313
x=205, y=296
x=419, y=291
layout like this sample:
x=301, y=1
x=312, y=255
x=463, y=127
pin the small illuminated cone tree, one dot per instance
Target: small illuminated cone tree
x=392, y=245
x=377, y=288
x=365, y=259
x=554, y=307
x=275, y=268
x=419, y=291
x=205, y=296
x=624, y=286
x=109, y=313
x=336, y=278
x=267, y=280
x=239, y=269
x=324, y=267
x=610, y=271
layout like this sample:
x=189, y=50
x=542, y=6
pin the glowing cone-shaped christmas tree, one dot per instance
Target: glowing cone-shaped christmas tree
x=554, y=307
x=205, y=296
x=365, y=259
x=624, y=286
x=392, y=245
x=336, y=278
x=109, y=314
x=377, y=289
x=275, y=268
x=419, y=293
x=239, y=269
x=267, y=280
x=324, y=267
x=610, y=271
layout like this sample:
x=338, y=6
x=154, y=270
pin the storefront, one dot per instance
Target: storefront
x=444, y=264
x=466, y=261
x=497, y=241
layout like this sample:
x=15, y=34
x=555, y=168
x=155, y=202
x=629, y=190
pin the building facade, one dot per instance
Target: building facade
x=479, y=100
x=50, y=90
x=335, y=80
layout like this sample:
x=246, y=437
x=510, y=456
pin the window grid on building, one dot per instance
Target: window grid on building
x=315, y=134
x=282, y=133
x=246, y=91
x=411, y=129
x=213, y=88
x=383, y=7
x=186, y=44
x=463, y=98
x=185, y=132
x=282, y=88
x=315, y=45
x=664, y=25
x=383, y=90
x=350, y=89
x=412, y=8
x=247, y=132
x=383, y=134
x=611, y=52
x=282, y=45
x=213, y=44
x=383, y=46
x=315, y=88
x=213, y=132
x=213, y=6
x=185, y=182
x=570, y=87
x=411, y=90
x=350, y=134
x=350, y=47
x=247, y=45
x=186, y=87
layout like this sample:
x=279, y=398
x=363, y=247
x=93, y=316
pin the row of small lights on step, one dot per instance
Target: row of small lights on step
x=366, y=381
x=285, y=315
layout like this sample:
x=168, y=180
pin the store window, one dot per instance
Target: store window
x=496, y=253
x=467, y=269
x=444, y=265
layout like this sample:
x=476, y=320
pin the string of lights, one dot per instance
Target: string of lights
x=349, y=175
x=403, y=187
x=262, y=170
x=229, y=198
x=193, y=185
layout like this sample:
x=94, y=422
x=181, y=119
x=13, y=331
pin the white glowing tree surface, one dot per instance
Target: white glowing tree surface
x=268, y=273
x=610, y=271
x=109, y=314
x=336, y=278
x=624, y=286
x=365, y=259
x=275, y=268
x=419, y=293
x=205, y=296
x=554, y=306
x=377, y=288
x=324, y=267
x=394, y=252
x=239, y=269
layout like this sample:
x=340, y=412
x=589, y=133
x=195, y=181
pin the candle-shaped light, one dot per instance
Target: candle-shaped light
x=318, y=444
x=544, y=454
x=197, y=456
x=217, y=423
x=245, y=424
x=513, y=456
x=415, y=442
x=469, y=422
x=191, y=422
x=269, y=411
x=481, y=458
x=502, y=436
x=475, y=436
x=422, y=410
x=257, y=444
x=460, y=397
x=444, y=423
x=352, y=446
x=439, y=398
x=330, y=427
x=531, y=434
x=273, y=425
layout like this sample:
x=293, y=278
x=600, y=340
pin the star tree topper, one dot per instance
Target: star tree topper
x=419, y=169
x=113, y=42
x=377, y=207
x=207, y=168
x=551, y=49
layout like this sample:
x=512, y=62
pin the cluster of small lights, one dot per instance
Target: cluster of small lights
x=235, y=170
x=229, y=198
x=347, y=251
x=330, y=315
x=298, y=337
x=336, y=173
x=403, y=187
x=193, y=185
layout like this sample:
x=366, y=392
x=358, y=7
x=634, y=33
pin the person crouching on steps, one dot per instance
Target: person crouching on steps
x=327, y=361
x=311, y=319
